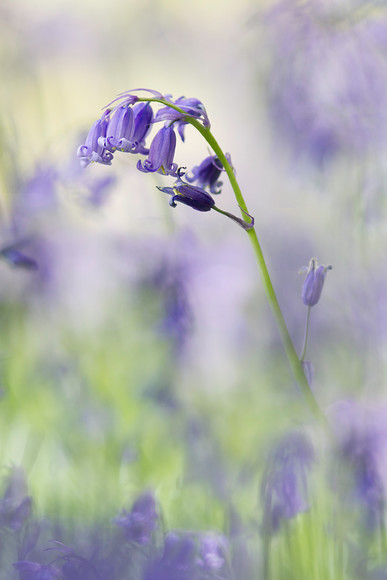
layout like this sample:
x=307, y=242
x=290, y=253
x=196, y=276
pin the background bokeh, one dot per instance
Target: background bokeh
x=142, y=354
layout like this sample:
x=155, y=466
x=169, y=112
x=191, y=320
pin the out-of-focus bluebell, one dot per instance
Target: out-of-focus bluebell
x=161, y=154
x=190, y=195
x=327, y=85
x=207, y=174
x=213, y=552
x=15, y=504
x=17, y=258
x=314, y=282
x=141, y=521
x=33, y=571
x=192, y=107
x=361, y=440
x=92, y=151
x=179, y=559
x=35, y=197
x=284, y=486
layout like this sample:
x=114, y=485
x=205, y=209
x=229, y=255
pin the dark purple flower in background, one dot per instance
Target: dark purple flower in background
x=92, y=151
x=161, y=154
x=17, y=258
x=178, y=561
x=314, y=282
x=141, y=521
x=327, y=85
x=34, y=571
x=207, y=174
x=284, y=489
x=360, y=461
x=187, y=194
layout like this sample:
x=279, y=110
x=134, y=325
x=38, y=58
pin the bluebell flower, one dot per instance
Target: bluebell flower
x=139, y=523
x=33, y=571
x=119, y=130
x=92, y=151
x=314, y=282
x=15, y=505
x=213, y=551
x=192, y=107
x=284, y=490
x=178, y=561
x=360, y=461
x=18, y=259
x=190, y=195
x=327, y=85
x=207, y=174
x=161, y=153
x=143, y=117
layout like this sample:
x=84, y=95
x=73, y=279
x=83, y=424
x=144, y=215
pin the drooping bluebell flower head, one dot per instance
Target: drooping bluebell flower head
x=207, y=174
x=327, y=85
x=191, y=106
x=139, y=523
x=314, y=282
x=284, y=490
x=161, y=154
x=190, y=195
x=93, y=151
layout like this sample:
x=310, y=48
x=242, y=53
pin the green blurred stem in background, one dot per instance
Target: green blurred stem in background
x=290, y=350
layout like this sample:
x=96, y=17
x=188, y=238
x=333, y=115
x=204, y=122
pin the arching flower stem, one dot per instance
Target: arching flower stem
x=288, y=345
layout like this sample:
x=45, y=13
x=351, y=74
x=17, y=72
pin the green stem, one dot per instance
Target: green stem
x=290, y=350
x=302, y=356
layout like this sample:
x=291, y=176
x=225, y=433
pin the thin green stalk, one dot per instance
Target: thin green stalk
x=290, y=350
x=302, y=356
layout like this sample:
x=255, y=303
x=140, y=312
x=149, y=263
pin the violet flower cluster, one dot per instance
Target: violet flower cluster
x=125, y=126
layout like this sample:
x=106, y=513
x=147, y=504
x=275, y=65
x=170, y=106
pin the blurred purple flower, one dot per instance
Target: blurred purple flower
x=314, y=282
x=207, y=174
x=284, y=490
x=361, y=443
x=18, y=259
x=35, y=197
x=140, y=522
x=212, y=551
x=34, y=571
x=15, y=505
x=327, y=82
x=92, y=151
x=178, y=562
x=161, y=153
